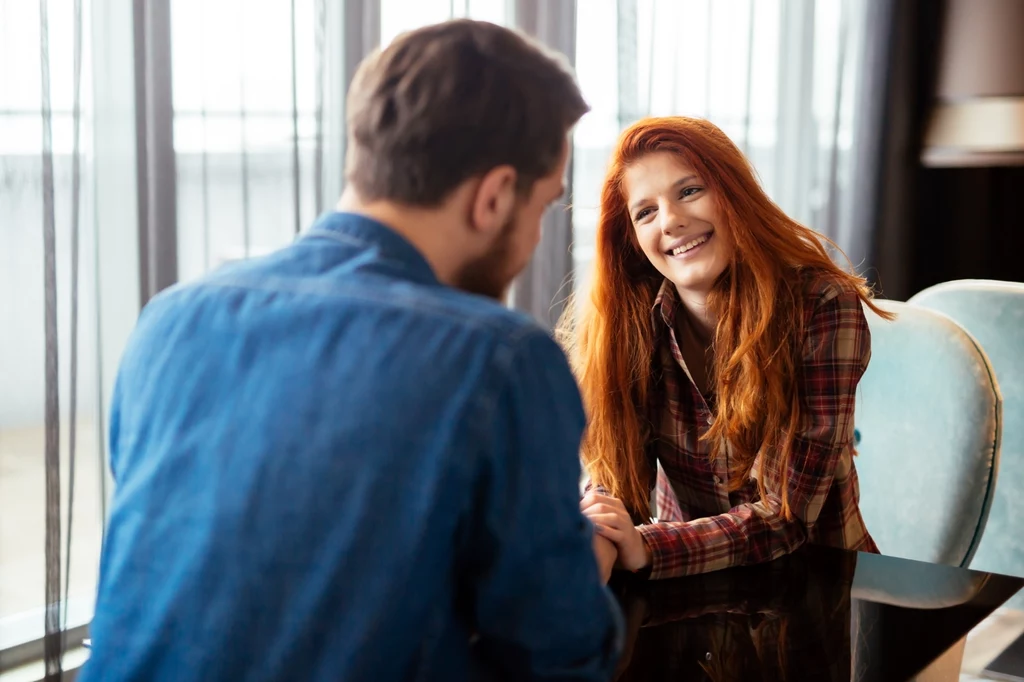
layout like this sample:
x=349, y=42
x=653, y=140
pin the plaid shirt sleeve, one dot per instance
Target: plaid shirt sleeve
x=836, y=352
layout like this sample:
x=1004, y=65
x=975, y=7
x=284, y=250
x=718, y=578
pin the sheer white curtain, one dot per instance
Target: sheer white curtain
x=258, y=135
x=51, y=464
x=778, y=76
x=397, y=16
x=248, y=121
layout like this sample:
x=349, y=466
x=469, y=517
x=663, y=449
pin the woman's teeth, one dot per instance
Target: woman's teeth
x=686, y=247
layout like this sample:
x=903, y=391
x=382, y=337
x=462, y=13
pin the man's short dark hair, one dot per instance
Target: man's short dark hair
x=451, y=101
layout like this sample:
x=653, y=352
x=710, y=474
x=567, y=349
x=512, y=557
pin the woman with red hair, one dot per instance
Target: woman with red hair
x=718, y=352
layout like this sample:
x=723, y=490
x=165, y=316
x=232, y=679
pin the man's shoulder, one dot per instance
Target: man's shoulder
x=489, y=318
x=510, y=337
x=422, y=311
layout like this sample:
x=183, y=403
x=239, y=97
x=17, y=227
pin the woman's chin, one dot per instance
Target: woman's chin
x=692, y=282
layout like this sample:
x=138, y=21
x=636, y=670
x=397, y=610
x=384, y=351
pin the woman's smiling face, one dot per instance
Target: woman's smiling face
x=677, y=221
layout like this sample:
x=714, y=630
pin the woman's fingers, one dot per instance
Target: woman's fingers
x=594, y=498
x=617, y=503
x=609, y=516
x=605, y=509
x=591, y=499
x=610, y=520
x=613, y=534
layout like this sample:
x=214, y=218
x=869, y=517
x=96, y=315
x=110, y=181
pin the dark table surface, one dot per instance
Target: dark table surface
x=818, y=614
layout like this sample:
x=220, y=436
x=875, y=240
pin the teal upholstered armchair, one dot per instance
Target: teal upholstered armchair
x=928, y=421
x=993, y=312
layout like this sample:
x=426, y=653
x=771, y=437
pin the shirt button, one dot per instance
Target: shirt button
x=718, y=481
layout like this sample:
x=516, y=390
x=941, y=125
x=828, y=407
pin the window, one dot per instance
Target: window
x=234, y=139
x=22, y=304
x=233, y=126
x=251, y=86
x=397, y=16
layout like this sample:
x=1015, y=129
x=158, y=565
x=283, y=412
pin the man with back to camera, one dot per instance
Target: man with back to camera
x=347, y=460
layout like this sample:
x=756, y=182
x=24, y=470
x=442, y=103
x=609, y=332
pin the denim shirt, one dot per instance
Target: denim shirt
x=330, y=466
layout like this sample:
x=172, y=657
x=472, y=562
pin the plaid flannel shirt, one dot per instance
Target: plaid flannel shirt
x=701, y=525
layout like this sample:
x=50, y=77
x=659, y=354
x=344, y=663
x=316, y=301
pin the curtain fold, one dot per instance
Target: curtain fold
x=900, y=206
x=52, y=649
x=873, y=133
x=76, y=197
x=543, y=287
x=296, y=163
x=157, y=172
x=360, y=34
x=57, y=559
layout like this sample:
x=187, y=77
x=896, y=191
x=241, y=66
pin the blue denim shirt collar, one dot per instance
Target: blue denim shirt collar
x=361, y=230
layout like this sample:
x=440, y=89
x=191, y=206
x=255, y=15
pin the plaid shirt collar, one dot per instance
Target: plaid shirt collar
x=663, y=312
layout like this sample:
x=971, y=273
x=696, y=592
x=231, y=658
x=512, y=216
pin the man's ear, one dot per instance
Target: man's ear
x=494, y=200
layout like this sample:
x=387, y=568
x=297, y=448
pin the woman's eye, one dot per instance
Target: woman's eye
x=642, y=214
x=690, y=191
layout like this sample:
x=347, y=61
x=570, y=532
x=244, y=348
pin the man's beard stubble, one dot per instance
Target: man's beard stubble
x=491, y=274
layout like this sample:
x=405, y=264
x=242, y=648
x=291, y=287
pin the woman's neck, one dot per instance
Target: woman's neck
x=700, y=318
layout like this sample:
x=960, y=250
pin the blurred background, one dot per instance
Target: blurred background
x=144, y=143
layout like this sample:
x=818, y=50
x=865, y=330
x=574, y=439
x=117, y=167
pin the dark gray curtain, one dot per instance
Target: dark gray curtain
x=360, y=35
x=543, y=287
x=898, y=73
x=157, y=173
x=870, y=136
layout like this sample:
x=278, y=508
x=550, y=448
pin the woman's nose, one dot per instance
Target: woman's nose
x=672, y=219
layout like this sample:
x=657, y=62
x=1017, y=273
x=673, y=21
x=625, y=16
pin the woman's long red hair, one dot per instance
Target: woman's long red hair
x=757, y=302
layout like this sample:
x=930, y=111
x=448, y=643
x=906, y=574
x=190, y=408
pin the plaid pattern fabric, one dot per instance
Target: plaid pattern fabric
x=702, y=526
